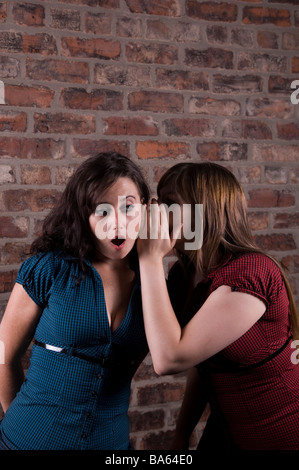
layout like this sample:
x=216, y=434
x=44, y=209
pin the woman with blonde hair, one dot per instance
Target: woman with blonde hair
x=228, y=315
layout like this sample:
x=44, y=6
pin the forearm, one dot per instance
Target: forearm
x=162, y=328
x=11, y=379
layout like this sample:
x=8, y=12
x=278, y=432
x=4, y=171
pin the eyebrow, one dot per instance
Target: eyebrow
x=127, y=197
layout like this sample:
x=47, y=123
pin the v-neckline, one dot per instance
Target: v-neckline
x=124, y=319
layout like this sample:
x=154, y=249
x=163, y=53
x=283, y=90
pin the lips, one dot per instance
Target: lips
x=118, y=242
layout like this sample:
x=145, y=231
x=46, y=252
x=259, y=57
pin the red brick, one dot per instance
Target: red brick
x=11, y=42
x=294, y=175
x=217, y=34
x=246, y=129
x=95, y=22
x=214, y=107
x=222, y=151
x=264, y=197
x=268, y=39
x=9, y=67
x=85, y=148
x=295, y=65
x=57, y=70
x=32, y=148
x=28, y=14
x=14, y=227
x=145, y=372
x=286, y=220
x=258, y=220
x=43, y=44
x=242, y=37
x=290, y=41
x=7, y=174
x=19, y=95
x=158, y=30
x=35, y=174
x=95, y=3
x=7, y=280
x=190, y=127
x=288, y=131
x=13, y=121
x=65, y=19
x=250, y=174
x=281, y=85
x=14, y=253
x=274, y=175
x=256, y=130
x=262, y=16
x=157, y=102
x=129, y=27
x=152, y=7
x=275, y=153
x=63, y=123
x=151, y=53
x=3, y=12
x=152, y=149
x=237, y=84
x=122, y=75
x=96, y=47
x=16, y=200
x=211, y=11
x=276, y=242
x=209, y=58
x=79, y=98
x=182, y=80
x=291, y=263
x=268, y=107
x=258, y=62
x=63, y=174
x=160, y=393
x=140, y=125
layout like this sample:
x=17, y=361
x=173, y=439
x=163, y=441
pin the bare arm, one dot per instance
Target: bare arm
x=223, y=318
x=16, y=331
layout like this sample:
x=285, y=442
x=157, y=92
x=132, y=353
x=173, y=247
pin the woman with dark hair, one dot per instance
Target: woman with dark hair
x=78, y=296
x=238, y=316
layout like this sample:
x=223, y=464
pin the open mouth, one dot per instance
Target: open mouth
x=118, y=241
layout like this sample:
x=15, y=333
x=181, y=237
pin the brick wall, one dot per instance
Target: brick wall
x=162, y=82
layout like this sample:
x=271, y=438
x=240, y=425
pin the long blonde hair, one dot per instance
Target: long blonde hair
x=226, y=230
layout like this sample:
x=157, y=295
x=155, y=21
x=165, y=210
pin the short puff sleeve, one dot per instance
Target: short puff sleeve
x=36, y=275
x=252, y=273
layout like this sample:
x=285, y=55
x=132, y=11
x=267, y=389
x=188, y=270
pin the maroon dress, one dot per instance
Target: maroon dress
x=253, y=383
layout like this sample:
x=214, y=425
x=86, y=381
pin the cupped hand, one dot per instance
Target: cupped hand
x=155, y=239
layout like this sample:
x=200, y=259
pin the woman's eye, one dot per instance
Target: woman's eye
x=102, y=211
x=130, y=207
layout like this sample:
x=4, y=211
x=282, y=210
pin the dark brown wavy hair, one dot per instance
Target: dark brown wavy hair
x=226, y=231
x=66, y=228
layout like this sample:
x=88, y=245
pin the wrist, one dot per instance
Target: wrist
x=150, y=259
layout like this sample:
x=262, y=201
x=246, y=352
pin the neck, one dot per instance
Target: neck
x=113, y=265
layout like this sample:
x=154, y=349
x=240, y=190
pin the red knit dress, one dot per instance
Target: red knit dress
x=254, y=383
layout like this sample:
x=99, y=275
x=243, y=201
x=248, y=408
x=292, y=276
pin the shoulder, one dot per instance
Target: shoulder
x=252, y=263
x=251, y=272
x=41, y=265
